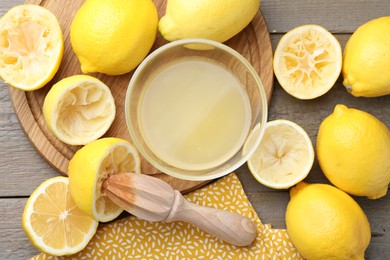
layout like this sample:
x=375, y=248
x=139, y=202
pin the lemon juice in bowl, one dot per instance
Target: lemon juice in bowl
x=191, y=105
x=194, y=114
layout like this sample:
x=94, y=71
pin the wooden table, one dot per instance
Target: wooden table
x=22, y=169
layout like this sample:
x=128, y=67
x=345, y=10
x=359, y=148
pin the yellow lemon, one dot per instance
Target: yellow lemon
x=353, y=149
x=91, y=165
x=31, y=47
x=307, y=61
x=366, y=60
x=324, y=222
x=284, y=157
x=209, y=19
x=113, y=37
x=53, y=222
x=79, y=109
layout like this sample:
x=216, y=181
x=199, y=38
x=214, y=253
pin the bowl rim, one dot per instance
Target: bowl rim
x=252, y=71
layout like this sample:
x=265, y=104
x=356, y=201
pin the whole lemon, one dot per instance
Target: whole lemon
x=217, y=20
x=366, y=59
x=324, y=222
x=353, y=149
x=113, y=37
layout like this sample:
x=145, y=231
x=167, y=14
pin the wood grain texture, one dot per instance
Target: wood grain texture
x=253, y=43
x=14, y=243
x=337, y=16
x=22, y=169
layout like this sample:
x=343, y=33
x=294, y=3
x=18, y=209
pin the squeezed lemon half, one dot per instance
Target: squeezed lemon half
x=79, y=109
x=91, y=165
x=31, y=47
x=284, y=157
x=307, y=61
x=53, y=222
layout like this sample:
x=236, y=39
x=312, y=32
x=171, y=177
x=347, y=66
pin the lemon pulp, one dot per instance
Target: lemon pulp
x=53, y=222
x=31, y=47
x=284, y=157
x=79, y=109
x=307, y=61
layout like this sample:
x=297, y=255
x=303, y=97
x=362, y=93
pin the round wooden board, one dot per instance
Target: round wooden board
x=253, y=43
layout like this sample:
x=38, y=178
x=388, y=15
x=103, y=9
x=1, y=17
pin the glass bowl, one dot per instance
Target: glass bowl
x=179, y=83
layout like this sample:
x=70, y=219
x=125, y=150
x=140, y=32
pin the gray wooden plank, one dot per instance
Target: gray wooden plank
x=7, y=4
x=377, y=214
x=22, y=169
x=337, y=16
x=14, y=243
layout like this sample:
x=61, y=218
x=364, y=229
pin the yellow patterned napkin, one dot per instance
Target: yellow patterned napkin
x=133, y=238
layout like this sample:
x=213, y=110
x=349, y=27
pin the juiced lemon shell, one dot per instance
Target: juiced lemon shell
x=91, y=165
x=79, y=109
x=284, y=157
x=307, y=61
x=31, y=47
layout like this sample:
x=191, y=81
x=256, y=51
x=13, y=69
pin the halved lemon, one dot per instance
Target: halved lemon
x=91, y=165
x=31, y=47
x=79, y=109
x=284, y=157
x=53, y=222
x=307, y=61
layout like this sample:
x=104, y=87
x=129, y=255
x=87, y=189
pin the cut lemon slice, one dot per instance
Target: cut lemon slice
x=307, y=61
x=53, y=222
x=91, y=165
x=79, y=109
x=31, y=47
x=284, y=157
